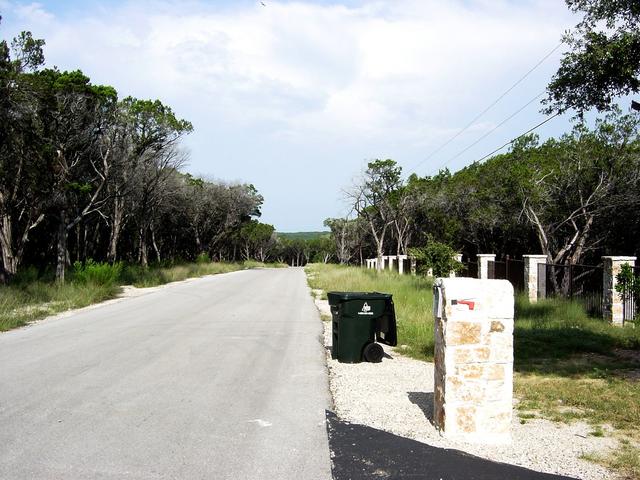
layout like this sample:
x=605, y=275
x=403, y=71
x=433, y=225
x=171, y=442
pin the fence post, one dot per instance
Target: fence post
x=531, y=263
x=414, y=265
x=458, y=258
x=401, y=260
x=391, y=259
x=612, y=302
x=483, y=264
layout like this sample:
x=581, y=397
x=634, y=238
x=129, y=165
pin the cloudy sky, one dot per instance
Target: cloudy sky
x=296, y=97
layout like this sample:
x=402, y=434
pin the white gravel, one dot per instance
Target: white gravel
x=396, y=396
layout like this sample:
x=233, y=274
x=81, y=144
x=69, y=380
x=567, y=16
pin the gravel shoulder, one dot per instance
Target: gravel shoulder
x=397, y=396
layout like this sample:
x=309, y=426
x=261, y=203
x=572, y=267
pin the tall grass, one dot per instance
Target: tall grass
x=412, y=297
x=152, y=276
x=23, y=303
x=568, y=365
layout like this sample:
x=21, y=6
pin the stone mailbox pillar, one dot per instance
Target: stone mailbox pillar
x=531, y=263
x=473, y=359
x=483, y=264
x=612, y=306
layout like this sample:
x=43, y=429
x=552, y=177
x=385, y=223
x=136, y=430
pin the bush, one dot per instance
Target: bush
x=97, y=273
x=437, y=256
x=203, y=258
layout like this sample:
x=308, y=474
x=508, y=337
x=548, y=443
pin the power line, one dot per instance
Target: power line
x=490, y=132
x=518, y=137
x=477, y=117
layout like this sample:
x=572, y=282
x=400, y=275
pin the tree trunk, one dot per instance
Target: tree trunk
x=61, y=247
x=116, y=228
x=142, y=248
x=9, y=258
x=155, y=245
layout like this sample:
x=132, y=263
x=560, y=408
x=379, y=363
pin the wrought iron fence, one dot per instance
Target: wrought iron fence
x=582, y=283
x=509, y=269
x=469, y=269
x=631, y=296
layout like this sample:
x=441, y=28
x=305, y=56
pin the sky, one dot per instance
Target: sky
x=297, y=97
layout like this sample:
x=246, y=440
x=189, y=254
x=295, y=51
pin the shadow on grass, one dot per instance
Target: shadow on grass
x=360, y=452
x=558, y=337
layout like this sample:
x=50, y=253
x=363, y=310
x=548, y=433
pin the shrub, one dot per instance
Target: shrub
x=97, y=273
x=437, y=256
x=203, y=258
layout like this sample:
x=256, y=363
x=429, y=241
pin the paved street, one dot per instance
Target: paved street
x=222, y=377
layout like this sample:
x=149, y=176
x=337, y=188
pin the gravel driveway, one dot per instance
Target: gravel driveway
x=396, y=396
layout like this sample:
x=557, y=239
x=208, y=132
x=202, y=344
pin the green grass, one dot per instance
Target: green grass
x=32, y=296
x=21, y=304
x=150, y=277
x=412, y=297
x=568, y=365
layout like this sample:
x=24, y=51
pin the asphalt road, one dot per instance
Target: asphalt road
x=221, y=377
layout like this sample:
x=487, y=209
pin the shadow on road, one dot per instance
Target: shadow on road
x=360, y=452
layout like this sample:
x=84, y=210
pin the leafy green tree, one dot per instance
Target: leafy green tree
x=573, y=184
x=604, y=58
x=24, y=160
x=436, y=257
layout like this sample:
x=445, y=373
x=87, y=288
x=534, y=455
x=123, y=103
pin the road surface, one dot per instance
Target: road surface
x=218, y=378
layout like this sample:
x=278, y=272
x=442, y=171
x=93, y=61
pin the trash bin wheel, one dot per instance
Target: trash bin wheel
x=373, y=352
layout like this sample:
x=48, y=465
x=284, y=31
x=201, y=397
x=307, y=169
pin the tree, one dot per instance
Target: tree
x=258, y=238
x=371, y=199
x=576, y=182
x=23, y=157
x=76, y=113
x=604, y=57
x=156, y=136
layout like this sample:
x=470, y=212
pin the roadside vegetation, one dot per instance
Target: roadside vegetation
x=568, y=366
x=32, y=295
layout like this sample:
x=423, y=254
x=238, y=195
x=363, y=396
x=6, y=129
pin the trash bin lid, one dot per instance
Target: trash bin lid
x=338, y=297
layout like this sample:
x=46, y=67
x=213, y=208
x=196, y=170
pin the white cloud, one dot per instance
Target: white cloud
x=401, y=74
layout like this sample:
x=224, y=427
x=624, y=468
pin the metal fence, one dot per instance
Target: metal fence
x=631, y=297
x=582, y=283
x=469, y=269
x=509, y=269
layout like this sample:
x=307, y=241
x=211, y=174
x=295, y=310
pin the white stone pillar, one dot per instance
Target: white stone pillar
x=391, y=260
x=401, y=260
x=483, y=264
x=531, y=263
x=458, y=258
x=383, y=260
x=612, y=305
x=473, y=391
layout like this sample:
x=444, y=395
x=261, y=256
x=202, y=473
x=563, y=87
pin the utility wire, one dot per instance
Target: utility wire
x=477, y=117
x=518, y=137
x=489, y=132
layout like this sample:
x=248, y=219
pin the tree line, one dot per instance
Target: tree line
x=85, y=174
x=573, y=198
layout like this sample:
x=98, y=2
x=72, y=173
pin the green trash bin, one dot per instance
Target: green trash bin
x=359, y=320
